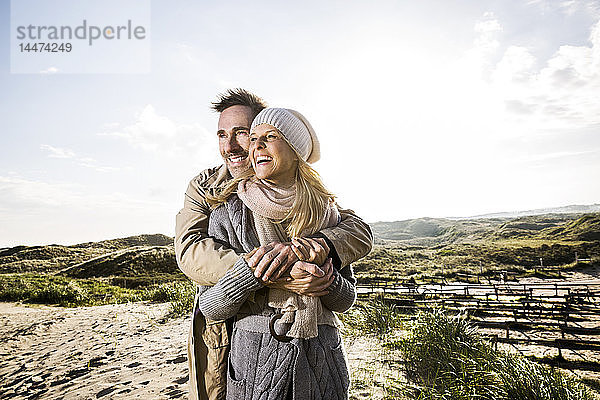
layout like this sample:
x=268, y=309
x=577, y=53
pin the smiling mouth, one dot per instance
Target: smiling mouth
x=263, y=160
x=237, y=158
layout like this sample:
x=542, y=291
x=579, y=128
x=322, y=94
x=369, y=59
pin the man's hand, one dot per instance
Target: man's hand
x=271, y=261
x=307, y=279
x=248, y=256
x=313, y=250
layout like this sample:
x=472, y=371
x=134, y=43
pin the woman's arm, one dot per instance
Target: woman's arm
x=223, y=300
x=342, y=291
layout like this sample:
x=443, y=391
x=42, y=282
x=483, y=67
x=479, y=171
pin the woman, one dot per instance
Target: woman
x=283, y=346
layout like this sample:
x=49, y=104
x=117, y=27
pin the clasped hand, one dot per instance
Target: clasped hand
x=300, y=266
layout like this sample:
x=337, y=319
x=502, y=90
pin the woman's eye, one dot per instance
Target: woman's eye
x=253, y=139
x=271, y=137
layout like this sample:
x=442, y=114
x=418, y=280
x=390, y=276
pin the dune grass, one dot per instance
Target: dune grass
x=179, y=294
x=72, y=292
x=447, y=358
x=63, y=291
x=377, y=316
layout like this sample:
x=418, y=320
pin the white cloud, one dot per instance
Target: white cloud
x=485, y=46
x=488, y=29
x=568, y=7
x=557, y=155
x=526, y=95
x=50, y=70
x=111, y=125
x=57, y=152
x=516, y=66
x=87, y=162
x=161, y=135
x=565, y=90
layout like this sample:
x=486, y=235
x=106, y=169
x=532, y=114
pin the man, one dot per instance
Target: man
x=205, y=260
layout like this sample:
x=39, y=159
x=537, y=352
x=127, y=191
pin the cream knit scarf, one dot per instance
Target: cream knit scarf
x=268, y=204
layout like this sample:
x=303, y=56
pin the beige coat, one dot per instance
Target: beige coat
x=205, y=261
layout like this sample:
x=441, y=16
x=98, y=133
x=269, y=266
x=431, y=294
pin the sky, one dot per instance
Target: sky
x=440, y=108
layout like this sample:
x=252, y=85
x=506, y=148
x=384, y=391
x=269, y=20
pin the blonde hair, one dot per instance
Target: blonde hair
x=312, y=199
x=308, y=210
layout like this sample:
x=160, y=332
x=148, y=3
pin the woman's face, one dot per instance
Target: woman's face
x=272, y=158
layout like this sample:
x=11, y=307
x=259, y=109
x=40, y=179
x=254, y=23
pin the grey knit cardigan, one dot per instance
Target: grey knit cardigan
x=261, y=367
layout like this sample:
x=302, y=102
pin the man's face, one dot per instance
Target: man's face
x=233, y=132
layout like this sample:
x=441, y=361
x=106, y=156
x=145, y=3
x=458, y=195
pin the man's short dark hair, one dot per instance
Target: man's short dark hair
x=239, y=97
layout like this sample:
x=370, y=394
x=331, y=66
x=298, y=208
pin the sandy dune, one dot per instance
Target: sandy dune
x=114, y=351
x=123, y=351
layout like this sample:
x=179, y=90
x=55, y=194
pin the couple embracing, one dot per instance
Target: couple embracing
x=270, y=251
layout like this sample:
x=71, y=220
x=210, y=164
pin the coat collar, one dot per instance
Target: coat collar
x=219, y=177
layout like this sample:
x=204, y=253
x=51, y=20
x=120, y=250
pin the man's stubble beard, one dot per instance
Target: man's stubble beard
x=237, y=171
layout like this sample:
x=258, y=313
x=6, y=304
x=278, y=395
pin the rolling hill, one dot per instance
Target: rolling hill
x=129, y=256
x=411, y=248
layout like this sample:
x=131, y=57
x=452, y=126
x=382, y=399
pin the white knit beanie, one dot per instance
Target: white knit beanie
x=295, y=128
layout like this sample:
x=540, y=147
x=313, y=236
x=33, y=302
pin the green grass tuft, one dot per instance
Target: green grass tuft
x=179, y=294
x=378, y=317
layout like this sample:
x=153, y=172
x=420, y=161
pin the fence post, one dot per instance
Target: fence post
x=559, y=346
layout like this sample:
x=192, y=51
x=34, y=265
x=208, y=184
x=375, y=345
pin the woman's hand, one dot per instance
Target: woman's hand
x=307, y=279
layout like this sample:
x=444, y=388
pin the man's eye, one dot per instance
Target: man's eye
x=221, y=135
x=271, y=137
x=253, y=139
x=242, y=133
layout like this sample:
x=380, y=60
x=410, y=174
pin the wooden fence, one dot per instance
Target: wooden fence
x=567, y=313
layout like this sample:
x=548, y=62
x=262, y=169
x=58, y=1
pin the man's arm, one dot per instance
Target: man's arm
x=350, y=240
x=200, y=258
x=205, y=261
